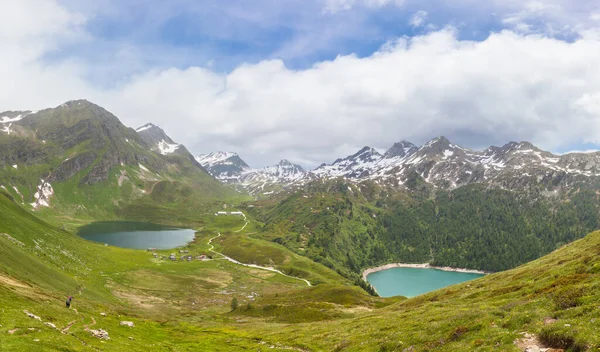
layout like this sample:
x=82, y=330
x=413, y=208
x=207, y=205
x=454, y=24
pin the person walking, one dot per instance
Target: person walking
x=69, y=301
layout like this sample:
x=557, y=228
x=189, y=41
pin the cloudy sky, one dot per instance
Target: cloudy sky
x=314, y=80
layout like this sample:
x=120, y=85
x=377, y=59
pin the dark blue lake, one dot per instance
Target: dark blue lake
x=136, y=235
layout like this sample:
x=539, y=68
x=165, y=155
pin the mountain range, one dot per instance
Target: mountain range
x=55, y=145
x=438, y=163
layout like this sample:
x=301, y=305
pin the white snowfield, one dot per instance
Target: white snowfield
x=166, y=148
x=43, y=194
x=145, y=127
x=211, y=159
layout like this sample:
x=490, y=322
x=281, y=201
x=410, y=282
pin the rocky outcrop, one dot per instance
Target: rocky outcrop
x=100, y=334
x=127, y=323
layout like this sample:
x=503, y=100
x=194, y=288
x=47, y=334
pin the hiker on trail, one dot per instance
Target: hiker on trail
x=69, y=301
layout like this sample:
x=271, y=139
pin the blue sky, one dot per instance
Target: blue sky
x=224, y=34
x=263, y=76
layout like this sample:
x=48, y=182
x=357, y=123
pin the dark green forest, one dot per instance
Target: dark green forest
x=471, y=227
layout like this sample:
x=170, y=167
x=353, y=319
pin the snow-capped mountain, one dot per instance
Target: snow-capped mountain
x=400, y=149
x=266, y=180
x=225, y=166
x=512, y=166
x=354, y=166
x=285, y=170
x=518, y=166
x=229, y=168
x=157, y=139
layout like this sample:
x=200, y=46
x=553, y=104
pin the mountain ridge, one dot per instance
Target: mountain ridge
x=442, y=164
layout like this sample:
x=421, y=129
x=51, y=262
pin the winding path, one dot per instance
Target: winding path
x=250, y=265
x=245, y=223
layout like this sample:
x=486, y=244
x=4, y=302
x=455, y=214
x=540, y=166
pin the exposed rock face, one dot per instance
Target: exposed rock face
x=400, y=149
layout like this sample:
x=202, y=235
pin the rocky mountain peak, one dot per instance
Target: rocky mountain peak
x=285, y=167
x=221, y=158
x=157, y=139
x=225, y=166
x=77, y=103
x=366, y=154
x=437, y=145
x=400, y=149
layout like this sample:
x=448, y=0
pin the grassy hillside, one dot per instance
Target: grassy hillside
x=187, y=305
x=174, y=305
x=93, y=167
x=554, y=298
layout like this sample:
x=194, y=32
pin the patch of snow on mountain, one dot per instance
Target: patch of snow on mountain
x=588, y=151
x=143, y=168
x=448, y=153
x=211, y=159
x=492, y=161
x=6, y=129
x=15, y=166
x=43, y=194
x=19, y=193
x=167, y=148
x=6, y=119
x=145, y=127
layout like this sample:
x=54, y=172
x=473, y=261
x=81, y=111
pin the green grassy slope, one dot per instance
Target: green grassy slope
x=187, y=305
x=98, y=168
x=175, y=305
x=555, y=297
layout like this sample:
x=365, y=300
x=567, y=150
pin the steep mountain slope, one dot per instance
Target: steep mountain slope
x=82, y=159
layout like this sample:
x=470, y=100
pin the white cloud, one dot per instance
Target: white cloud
x=508, y=87
x=418, y=18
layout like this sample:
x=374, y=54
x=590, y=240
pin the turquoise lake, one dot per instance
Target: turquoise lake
x=410, y=282
x=137, y=235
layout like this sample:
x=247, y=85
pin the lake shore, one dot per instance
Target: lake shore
x=368, y=271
